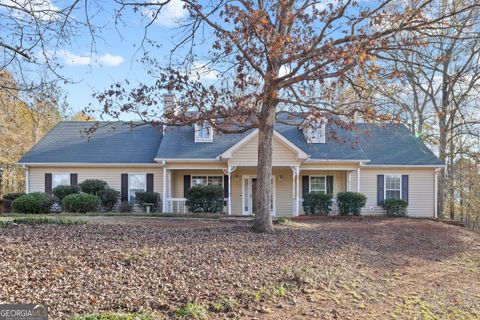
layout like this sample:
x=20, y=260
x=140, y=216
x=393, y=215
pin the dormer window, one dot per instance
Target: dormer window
x=315, y=132
x=203, y=132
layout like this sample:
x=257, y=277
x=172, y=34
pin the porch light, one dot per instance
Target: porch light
x=237, y=177
x=280, y=178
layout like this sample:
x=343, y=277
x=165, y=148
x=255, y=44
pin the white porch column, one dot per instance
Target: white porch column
x=169, y=194
x=27, y=180
x=435, y=204
x=296, y=189
x=228, y=172
x=164, y=188
x=358, y=179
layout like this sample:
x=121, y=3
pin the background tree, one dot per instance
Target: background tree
x=23, y=121
x=434, y=86
x=271, y=57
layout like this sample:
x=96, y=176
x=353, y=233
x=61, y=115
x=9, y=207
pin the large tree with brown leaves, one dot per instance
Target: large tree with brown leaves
x=271, y=57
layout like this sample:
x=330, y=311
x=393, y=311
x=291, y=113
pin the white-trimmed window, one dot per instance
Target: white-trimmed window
x=207, y=180
x=137, y=182
x=315, y=133
x=203, y=132
x=393, y=186
x=60, y=179
x=318, y=184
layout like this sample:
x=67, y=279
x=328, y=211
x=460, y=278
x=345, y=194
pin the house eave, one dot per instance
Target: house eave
x=404, y=165
x=188, y=159
x=87, y=164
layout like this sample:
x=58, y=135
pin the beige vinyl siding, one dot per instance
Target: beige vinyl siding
x=421, y=191
x=177, y=179
x=247, y=154
x=339, y=182
x=112, y=175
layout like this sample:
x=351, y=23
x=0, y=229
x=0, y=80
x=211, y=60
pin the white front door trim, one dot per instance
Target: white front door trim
x=250, y=198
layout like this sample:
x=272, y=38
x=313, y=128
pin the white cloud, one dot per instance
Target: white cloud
x=81, y=60
x=39, y=9
x=203, y=72
x=169, y=15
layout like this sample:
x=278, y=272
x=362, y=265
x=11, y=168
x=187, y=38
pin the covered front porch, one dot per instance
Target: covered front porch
x=289, y=183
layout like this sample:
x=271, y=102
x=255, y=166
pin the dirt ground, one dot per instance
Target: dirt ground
x=368, y=268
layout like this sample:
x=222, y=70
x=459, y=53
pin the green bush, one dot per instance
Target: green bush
x=93, y=186
x=108, y=198
x=36, y=202
x=62, y=191
x=81, y=203
x=351, y=202
x=147, y=197
x=125, y=206
x=8, y=199
x=193, y=311
x=317, y=203
x=205, y=199
x=395, y=207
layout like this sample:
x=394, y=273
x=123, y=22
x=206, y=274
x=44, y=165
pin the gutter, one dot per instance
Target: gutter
x=403, y=165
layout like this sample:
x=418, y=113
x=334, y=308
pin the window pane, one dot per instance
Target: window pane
x=136, y=183
x=215, y=181
x=199, y=180
x=60, y=179
x=317, y=184
x=393, y=194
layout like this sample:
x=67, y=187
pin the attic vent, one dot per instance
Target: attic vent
x=203, y=132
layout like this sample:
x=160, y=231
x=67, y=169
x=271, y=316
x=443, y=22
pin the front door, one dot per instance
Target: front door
x=250, y=190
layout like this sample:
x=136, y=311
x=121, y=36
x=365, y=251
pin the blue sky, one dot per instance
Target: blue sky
x=116, y=56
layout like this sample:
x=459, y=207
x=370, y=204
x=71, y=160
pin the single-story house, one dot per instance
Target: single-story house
x=380, y=160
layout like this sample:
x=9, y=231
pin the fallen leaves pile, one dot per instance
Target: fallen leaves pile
x=327, y=269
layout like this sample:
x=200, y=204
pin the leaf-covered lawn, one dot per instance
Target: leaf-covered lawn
x=329, y=269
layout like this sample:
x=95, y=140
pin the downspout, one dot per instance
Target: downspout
x=27, y=180
x=358, y=179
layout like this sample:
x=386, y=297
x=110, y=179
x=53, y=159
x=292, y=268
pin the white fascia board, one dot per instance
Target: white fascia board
x=336, y=160
x=85, y=164
x=300, y=153
x=188, y=159
x=404, y=165
x=228, y=153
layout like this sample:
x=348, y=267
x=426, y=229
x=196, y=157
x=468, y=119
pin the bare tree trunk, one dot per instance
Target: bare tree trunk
x=442, y=177
x=263, y=219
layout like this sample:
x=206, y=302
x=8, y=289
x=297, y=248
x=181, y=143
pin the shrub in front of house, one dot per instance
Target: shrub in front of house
x=205, y=199
x=81, y=203
x=351, y=203
x=125, y=206
x=395, y=207
x=8, y=199
x=93, y=186
x=317, y=203
x=147, y=197
x=35, y=202
x=64, y=190
x=108, y=198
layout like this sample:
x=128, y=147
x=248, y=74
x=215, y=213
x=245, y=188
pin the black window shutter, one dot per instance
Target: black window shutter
x=405, y=187
x=186, y=184
x=225, y=186
x=48, y=183
x=305, y=185
x=330, y=184
x=73, y=179
x=124, y=187
x=149, y=182
x=380, y=189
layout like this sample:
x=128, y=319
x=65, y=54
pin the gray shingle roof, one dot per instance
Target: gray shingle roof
x=388, y=144
x=381, y=144
x=113, y=142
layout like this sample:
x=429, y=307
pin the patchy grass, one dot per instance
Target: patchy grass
x=192, y=311
x=118, y=316
x=41, y=220
x=330, y=268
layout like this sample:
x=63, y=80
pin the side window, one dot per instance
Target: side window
x=137, y=182
x=318, y=184
x=60, y=179
x=393, y=186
